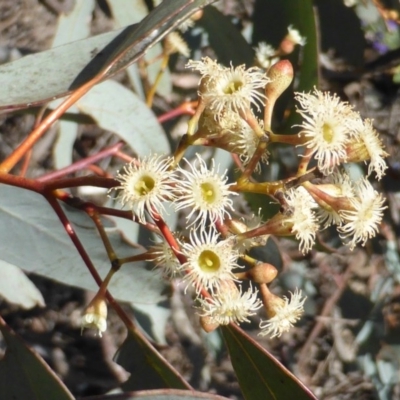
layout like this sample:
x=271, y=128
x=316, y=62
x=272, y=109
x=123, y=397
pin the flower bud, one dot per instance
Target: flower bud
x=95, y=315
x=207, y=324
x=272, y=303
x=291, y=40
x=281, y=76
x=263, y=273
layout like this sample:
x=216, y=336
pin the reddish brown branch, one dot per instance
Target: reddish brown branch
x=86, y=259
x=81, y=164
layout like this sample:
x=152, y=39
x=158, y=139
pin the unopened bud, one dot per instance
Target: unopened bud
x=207, y=324
x=263, y=273
x=272, y=303
x=291, y=40
x=197, y=15
x=281, y=75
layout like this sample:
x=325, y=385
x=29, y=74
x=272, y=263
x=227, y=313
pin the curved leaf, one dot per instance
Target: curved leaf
x=64, y=144
x=271, y=20
x=165, y=17
x=148, y=368
x=23, y=373
x=33, y=239
x=300, y=14
x=126, y=12
x=22, y=80
x=17, y=288
x=225, y=39
x=75, y=25
x=261, y=376
x=164, y=394
x=119, y=110
x=153, y=318
x=54, y=73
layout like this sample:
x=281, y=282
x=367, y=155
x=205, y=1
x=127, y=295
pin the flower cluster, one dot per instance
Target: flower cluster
x=334, y=133
x=209, y=253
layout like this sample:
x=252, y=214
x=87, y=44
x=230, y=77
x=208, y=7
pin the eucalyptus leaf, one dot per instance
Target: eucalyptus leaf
x=17, y=288
x=24, y=374
x=74, y=25
x=119, y=110
x=71, y=27
x=63, y=147
x=149, y=370
x=44, y=76
x=126, y=12
x=33, y=239
x=225, y=39
x=163, y=394
x=261, y=376
x=22, y=81
x=271, y=20
x=153, y=319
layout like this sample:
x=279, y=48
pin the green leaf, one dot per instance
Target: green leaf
x=63, y=147
x=271, y=20
x=126, y=12
x=153, y=318
x=75, y=25
x=300, y=14
x=164, y=394
x=261, y=376
x=23, y=373
x=162, y=19
x=33, y=239
x=225, y=39
x=40, y=77
x=17, y=288
x=37, y=78
x=119, y=110
x=148, y=368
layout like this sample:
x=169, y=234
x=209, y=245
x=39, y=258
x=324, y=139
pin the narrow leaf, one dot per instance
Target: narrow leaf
x=148, y=368
x=261, y=376
x=300, y=14
x=119, y=110
x=41, y=77
x=24, y=374
x=163, y=394
x=27, y=218
x=126, y=12
x=75, y=25
x=63, y=147
x=225, y=39
x=271, y=20
x=17, y=288
x=164, y=18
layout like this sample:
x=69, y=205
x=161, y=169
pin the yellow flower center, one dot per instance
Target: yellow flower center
x=144, y=185
x=209, y=261
x=233, y=87
x=327, y=132
x=207, y=192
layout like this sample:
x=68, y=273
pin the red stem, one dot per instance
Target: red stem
x=86, y=259
x=185, y=108
x=81, y=164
